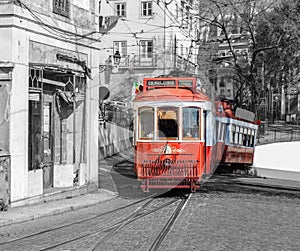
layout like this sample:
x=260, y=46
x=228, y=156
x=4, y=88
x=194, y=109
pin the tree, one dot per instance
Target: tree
x=240, y=17
x=282, y=25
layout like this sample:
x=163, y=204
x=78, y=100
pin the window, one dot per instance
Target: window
x=221, y=132
x=249, y=138
x=241, y=136
x=146, y=48
x=253, y=138
x=245, y=137
x=232, y=136
x=120, y=9
x=146, y=123
x=147, y=8
x=191, y=123
x=236, y=138
x=121, y=46
x=167, y=122
x=61, y=7
x=34, y=133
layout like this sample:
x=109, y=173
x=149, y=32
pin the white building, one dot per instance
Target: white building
x=49, y=71
x=153, y=37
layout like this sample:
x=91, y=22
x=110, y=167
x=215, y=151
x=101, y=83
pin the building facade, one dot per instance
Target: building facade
x=154, y=38
x=49, y=71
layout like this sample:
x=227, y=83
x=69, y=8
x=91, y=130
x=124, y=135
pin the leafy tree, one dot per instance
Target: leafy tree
x=241, y=17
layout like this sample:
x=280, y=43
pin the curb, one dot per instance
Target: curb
x=20, y=218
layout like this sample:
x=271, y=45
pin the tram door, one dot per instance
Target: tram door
x=47, y=140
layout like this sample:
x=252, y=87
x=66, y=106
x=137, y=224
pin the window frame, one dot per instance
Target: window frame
x=145, y=8
x=117, y=46
x=61, y=7
x=146, y=53
x=177, y=120
x=139, y=131
x=120, y=9
x=200, y=112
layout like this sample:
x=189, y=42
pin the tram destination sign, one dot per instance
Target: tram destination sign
x=161, y=83
x=186, y=83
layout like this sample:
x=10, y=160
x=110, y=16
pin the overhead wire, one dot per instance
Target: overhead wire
x=66, y=35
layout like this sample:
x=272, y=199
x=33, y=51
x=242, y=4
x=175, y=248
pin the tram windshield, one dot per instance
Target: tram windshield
x=146, y=123
x=167, y=120
x=191, y=122
x=164, y=123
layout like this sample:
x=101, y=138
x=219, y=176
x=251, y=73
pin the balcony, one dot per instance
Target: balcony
x=138, y=61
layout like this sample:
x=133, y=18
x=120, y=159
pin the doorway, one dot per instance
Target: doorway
x=47, y=140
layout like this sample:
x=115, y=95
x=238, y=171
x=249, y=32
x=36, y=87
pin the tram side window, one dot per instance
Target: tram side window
x=236, y=138
x=252, y=138
x=146, y=123
x=233, y=134
x=191, y=122
x=167, y=119
x=245, y=137
x=223, y=132
x=241, y=136
x=249, y=142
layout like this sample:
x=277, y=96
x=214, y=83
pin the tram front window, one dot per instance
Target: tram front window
x=191, y=122
x=146, y=123
x=167, y=119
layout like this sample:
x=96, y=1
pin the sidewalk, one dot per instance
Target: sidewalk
x=49, y=208
x=39, y=210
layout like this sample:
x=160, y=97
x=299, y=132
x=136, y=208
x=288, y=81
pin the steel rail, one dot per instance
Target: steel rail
x=157, y=242
x=134, y=216
x=113, y=228
x=78, y=222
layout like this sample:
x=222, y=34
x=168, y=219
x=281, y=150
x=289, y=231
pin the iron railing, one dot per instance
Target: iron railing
x=282, y=133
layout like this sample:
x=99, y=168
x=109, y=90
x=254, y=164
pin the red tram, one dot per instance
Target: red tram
x=181, y=136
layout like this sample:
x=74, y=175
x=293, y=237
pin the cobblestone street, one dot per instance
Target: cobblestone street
x=216, y=217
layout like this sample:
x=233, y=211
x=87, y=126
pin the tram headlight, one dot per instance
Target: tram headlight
x=167, y=162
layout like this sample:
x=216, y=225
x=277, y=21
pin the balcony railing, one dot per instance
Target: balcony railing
x=138, y=61
x=144, y=62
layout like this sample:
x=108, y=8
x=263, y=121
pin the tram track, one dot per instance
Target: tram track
x=141, y=212
x=78, y=222
x=106, y=232
x=157, y=242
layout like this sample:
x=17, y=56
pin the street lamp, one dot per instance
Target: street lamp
x=117, y=58
x=104, y=92
x=109, y=63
